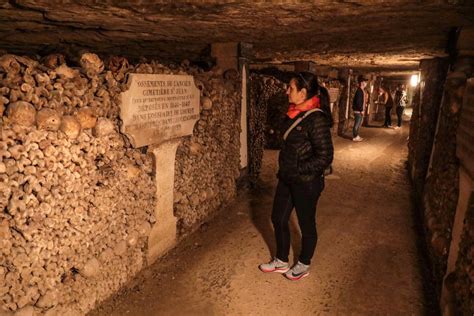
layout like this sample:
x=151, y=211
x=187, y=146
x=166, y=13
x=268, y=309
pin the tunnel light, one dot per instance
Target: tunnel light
x=414, y=80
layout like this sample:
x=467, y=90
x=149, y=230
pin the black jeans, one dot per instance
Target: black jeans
x=388, y=116
x=400, y=110
x=303, y=197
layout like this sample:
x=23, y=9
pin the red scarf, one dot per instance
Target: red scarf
x=307, y=105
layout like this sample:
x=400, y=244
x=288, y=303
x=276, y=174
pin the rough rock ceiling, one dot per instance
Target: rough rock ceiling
x=358, y=33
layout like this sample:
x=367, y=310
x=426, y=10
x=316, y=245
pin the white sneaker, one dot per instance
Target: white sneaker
x=396, y=127
x=297, y=272
x=357, y=139
x=276, y=265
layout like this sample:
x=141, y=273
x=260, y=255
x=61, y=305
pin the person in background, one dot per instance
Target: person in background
x=387, y=101
x=400, y=102
x=358, y=107
x=307, y=150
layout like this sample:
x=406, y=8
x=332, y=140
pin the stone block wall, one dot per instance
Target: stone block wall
x=77, y=200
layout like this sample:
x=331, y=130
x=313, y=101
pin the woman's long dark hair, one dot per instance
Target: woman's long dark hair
x=309, y=81
x=387, y=89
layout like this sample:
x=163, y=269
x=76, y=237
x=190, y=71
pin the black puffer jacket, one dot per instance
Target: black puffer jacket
x=308, y=149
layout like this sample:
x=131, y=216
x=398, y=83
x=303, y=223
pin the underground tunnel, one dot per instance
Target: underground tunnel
x=140, y=143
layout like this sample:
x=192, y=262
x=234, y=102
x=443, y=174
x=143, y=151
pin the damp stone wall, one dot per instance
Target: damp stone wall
x=77, y=201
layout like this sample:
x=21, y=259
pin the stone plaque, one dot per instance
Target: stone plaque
x=333, y=94
x=157, y=108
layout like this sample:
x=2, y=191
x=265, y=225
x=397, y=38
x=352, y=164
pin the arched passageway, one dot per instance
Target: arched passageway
x=366, y=261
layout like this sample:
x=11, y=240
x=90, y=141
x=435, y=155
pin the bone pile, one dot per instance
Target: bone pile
x=208, y=162
x=78, y=201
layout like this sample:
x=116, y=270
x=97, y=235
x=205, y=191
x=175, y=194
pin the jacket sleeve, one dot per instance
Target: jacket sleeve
x=323, y=150
x=358, y=103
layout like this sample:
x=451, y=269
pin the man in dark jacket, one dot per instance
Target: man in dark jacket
x=358, y=107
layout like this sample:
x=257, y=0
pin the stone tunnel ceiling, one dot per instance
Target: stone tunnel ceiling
x=364, y=33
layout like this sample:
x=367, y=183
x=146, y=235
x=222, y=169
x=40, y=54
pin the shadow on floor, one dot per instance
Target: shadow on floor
x=261, y=204
x=374, y=126
x=345, y=136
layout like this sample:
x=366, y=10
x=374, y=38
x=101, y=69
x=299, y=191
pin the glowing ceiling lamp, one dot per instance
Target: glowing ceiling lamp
x=414, y=80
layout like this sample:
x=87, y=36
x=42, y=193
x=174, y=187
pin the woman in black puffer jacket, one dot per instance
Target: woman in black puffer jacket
x=306, y=152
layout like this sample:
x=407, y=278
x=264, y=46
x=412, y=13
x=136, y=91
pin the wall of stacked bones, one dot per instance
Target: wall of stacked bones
x=76, y=200
x=435, y=138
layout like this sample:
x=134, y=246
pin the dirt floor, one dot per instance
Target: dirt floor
x=367, y=261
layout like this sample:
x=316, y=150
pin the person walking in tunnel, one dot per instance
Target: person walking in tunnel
x=307, y=150
x=387, y=101
x=358, y=105
x=400, y=102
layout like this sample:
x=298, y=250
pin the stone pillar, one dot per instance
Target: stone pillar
x=245, y=54
x=236, y=56
x=334, y=90
x=243, y=119
x=343, y=115
x=143, y=127
x=414, y=130
x=371, y=110
x=163, y=233
x=433, y=75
